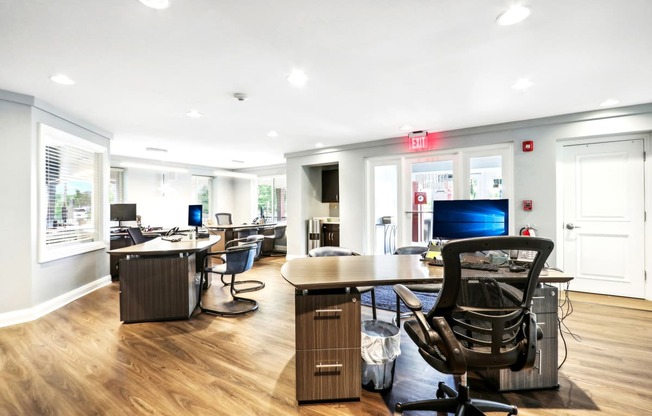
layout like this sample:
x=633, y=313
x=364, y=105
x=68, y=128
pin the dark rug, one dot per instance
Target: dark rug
x=386, y=299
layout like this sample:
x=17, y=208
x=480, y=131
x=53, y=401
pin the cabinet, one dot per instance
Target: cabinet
x=330, y=235
x=328, y=337
x=115, y=243
x=544, y=373
x=330, y=185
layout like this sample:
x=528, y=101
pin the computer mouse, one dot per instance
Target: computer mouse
x=516, y=268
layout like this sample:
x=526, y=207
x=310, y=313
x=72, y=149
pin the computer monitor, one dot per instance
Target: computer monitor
x=195, y=215
x=123, y=212
x=454, y=219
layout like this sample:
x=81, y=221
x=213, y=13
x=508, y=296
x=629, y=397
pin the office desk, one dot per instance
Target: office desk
x=159, y=280
x=327, y=317
x=230, y=232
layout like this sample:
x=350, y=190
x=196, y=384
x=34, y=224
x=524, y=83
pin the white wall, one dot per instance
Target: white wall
x=29, y=288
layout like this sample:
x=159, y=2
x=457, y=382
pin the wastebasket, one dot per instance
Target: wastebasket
x=381, y=344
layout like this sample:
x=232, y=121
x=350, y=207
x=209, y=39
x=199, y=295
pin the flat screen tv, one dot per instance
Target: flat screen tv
x=454, y=219
x=194, y=215
x=123, y=212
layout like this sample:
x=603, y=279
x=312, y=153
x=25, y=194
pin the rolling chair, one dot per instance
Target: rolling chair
x=416, y=287
x=223, y=218
x=252, y=285
x=477, y=322
x=239, y=259
x=328, y=251
x=279, y=233
x=137, y=236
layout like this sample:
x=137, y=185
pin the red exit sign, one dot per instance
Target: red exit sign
x=418, y=141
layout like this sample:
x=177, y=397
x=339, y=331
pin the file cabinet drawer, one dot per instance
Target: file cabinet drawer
x=324, y=322
x=328, y=374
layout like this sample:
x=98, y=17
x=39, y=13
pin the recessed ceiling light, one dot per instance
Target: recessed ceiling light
x=62, y=79
x=297, y=77
x=319, y=145
x=193, y=113
x=156, y=4
x=522, y=84
x=272, y=133
x=406, y=127
x=609, y=103
x=156, y=149
x=513, y=15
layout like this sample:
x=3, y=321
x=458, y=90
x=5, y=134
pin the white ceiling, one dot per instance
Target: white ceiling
x=373, y=66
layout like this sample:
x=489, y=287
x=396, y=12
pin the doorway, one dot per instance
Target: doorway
x=603, y=215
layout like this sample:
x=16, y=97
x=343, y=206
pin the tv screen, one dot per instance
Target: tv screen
x=453, y=219
x=123, y=212
x=194, y=215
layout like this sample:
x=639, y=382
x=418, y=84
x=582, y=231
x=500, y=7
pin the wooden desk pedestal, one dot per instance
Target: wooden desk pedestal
x=158, y=288
x=544, y=373
x=328, y=345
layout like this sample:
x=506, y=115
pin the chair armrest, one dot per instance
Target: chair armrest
x=411, y=301
x=414, y=304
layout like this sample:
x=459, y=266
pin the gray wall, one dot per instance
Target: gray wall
x=534, y=172
x=27, y=286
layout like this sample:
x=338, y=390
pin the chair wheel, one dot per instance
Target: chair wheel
x=514, y=411
x=399, y=407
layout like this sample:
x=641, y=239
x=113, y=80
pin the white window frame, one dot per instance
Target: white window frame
x=49, y=136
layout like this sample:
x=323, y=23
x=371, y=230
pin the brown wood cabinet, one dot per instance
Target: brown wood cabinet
x=330, y=185
x=330, y=235
x=544, y=373
x=327, y=345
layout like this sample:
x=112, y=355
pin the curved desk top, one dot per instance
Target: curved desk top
x=159, y=246
x=347, y=271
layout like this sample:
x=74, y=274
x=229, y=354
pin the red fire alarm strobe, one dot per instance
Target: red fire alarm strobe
x=527, y=205
x=528, y=146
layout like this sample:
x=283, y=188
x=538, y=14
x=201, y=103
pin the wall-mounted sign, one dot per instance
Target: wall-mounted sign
x=420, y=198
x=418, y=141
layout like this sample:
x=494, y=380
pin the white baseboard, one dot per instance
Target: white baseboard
x=37, y=311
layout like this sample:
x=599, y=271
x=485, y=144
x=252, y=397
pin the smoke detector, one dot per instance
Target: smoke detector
x=240, y=96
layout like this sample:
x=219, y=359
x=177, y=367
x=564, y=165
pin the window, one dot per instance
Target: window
x=272, y=198
x=116, y=186
x=201, y=186
x=70, y=198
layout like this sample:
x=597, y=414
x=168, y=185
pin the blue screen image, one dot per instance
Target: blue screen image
x=194, y=215
x=453, y=219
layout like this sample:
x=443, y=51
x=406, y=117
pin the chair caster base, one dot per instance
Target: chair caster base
x=237, y=306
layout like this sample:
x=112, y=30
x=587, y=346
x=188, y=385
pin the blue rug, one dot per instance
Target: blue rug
x=386, y=299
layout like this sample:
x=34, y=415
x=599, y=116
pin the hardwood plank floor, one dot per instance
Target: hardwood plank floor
x=81, y=360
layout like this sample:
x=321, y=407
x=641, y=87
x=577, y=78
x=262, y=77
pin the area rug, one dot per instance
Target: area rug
x=386, y=299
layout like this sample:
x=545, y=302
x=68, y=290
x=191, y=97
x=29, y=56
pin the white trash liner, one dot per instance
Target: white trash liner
x=381, y=345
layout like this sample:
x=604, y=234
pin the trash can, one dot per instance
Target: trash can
x=381, y=344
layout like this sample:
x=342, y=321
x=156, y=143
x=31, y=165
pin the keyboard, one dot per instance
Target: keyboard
x=488, y=267
x=172, y=239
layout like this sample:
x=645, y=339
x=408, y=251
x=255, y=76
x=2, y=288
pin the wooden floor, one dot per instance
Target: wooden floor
x=81, y=360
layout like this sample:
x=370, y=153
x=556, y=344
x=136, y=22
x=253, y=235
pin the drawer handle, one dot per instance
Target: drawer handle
x=538, y=297
x=328, y=310
x=320, y=366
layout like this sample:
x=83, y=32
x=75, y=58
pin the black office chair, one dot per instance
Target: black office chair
x=239, y=259
x=223, y=218
x=415, y=287
x=481, y=320
x=328, y=251
x=279, y=233
x=136, y=235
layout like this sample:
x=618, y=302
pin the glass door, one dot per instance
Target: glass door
x=383, y=206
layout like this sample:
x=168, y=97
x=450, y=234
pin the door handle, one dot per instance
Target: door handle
x=570, y=226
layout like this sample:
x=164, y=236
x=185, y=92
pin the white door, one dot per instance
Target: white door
x=603, y=217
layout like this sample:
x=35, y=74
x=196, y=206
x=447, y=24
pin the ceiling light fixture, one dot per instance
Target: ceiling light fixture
x=158, y=168
x=272, y=133
x=62, y=79
x=156, y=4
x=156, y=149
x=522, y=84
x=609, y=102
x=297, y=78
x=319, y=145
x=513, y=15
x=194, y=114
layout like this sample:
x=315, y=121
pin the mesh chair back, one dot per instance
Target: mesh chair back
x=223, y=218
x=136, y=235
x=489, y=314
x=328, y=251
x=411, y=250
